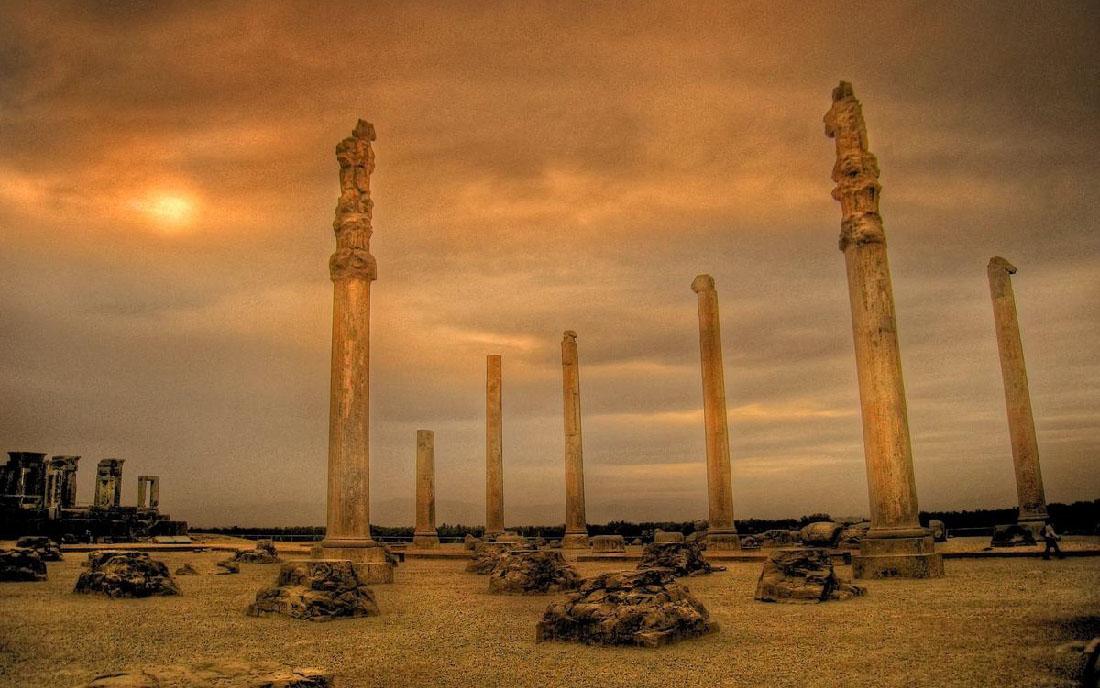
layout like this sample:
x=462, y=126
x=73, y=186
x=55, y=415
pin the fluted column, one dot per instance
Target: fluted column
x=425, y=535
x=352, y=269
x=896, y=544
x=1021, y=423
x=721, y=534
x=494, y=458
x=576, y=527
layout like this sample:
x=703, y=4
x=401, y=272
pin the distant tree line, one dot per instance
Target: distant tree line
x=1076, y=518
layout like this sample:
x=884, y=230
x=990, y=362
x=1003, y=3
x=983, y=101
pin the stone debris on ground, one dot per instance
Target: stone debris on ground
x=21, y=565
x=682, y=558
x=316, y=590
x=46, y=548
x=778, y=538
x=647, y=608
x=470, y=542
x=1012, y=535
x=217, y=673
x=802, y=576
x=532, y=572
x=607, y=544
x=186, y=570
x=487, y=555
x=125, y=574
x=750, y=542
x=852, y=534
x=939, y=530
x=668, y=536
x=227, y=567
x=263, y=554
x=821, y=534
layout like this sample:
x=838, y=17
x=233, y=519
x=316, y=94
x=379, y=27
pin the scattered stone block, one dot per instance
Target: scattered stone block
x=750, y=542
x=1012, y=535
x=647, y=608
x=636, y=542
x=668, y=536
x=852, y=535
x=221, y=673
x=47, y=549
x=512, y=538
x=21, y=565
x=186, y=570
x=682, y=558
x=939, y=530
x=470, y=542
x=532, y=572
x=606, y=544
x=821, y=534
x=316, y=590
x=487, y=555
x=779, y=538
x=228, y=567
x=263, y=554
x=125, y=574
x=802, y=576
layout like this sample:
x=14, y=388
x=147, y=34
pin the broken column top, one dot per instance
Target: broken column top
x=354, y=209
x=997, y=263
x=569, y=334
x=702, y=283
x=855, y=171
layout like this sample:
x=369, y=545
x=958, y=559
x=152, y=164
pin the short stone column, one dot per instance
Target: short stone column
x=154, y=492
x=108, y=484
x=425, y=535
x=721, y=533
x=576, y=527
x=896, y=544
x=494, y=457
x=1021, y=424
x=142, y=492
x=67, y=487
x=352, y=268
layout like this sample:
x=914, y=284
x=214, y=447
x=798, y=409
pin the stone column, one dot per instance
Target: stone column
x=67, y=488
x=425, y=535
x=1021, y=424
x=896, y=544
x=108, y=483
x=154, y=492
x=55, y=473
x=352, y=269
x=576, y=526
x=721, y=534
x=494, y=457
x=142, y=492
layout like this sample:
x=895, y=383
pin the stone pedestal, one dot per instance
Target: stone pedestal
x=895, y=545
x=425, y=535
x=494, y=457
x=721, y=534
x=576, y=526
x=371, y=563
x=1021, y=423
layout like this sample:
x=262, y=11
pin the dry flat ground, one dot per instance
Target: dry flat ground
x=987, y=623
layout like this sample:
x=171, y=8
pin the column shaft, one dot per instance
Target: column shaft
x=424, y=535
x=494, y=459
x=576, y=525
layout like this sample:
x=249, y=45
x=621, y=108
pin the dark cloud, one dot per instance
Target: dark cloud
x=541, y=167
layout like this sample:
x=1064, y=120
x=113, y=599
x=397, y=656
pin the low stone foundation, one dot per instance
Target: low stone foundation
x=668, y=536
x=316, y=590
x=682, y=558
x=607, y=544
x=897, y=557
x=647, y=608
x=802, y=576
x=125, y=574
x=532, y=573
x=21, y=565
x=222, y=673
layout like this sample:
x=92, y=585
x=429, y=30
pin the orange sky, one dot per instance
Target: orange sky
x=167, y=182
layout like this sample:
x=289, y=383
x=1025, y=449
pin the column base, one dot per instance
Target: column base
x=1034, y=525
x=897, y=557
x=425, y=540
x=723, y=542
x=575, y=541
x=367, y=556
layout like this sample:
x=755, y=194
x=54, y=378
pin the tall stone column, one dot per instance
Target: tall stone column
x=142, y=492
x=154, y=492
x=67, y=488
x=1021, y=424
x=494, y=457
x=108, y=483
x=55, y=475
x=576, y=526
x=425, y=535
x=721, y=533
x=352, y=269
x=896, y=544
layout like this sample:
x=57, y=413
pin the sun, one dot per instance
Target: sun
x=170, y=210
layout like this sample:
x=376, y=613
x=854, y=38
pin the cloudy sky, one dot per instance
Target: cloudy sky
x=167, y=184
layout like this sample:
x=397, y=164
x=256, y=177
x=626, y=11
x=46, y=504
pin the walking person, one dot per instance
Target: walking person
x=1051, y=539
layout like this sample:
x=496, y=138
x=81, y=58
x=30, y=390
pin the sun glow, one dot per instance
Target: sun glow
x=171, y=210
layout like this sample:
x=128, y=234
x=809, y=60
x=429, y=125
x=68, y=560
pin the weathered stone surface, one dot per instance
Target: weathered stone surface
x=939, y=530
x=532, y=572
x=802, y=576
x=852, y=535
x=576, y=525
x=486, y=556
x=126, y=574
x=424, y=533
x=606, y=544
x=186, y=570
x=219, y=673
x=668, y=536
x=750, y=542
x=264, y=553
x=494, y=442
x=470, y=542
x=21, y=565
x=682, y=558
x=779, y=538
x=647, y=608
x=511, y=538
x=821, y=534
x=1012, y=535
x=227, y=567
x=46, y=548
x=317, y=590
x=636, y=541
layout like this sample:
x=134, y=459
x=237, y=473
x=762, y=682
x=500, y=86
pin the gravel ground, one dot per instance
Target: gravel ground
x=988, y=622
